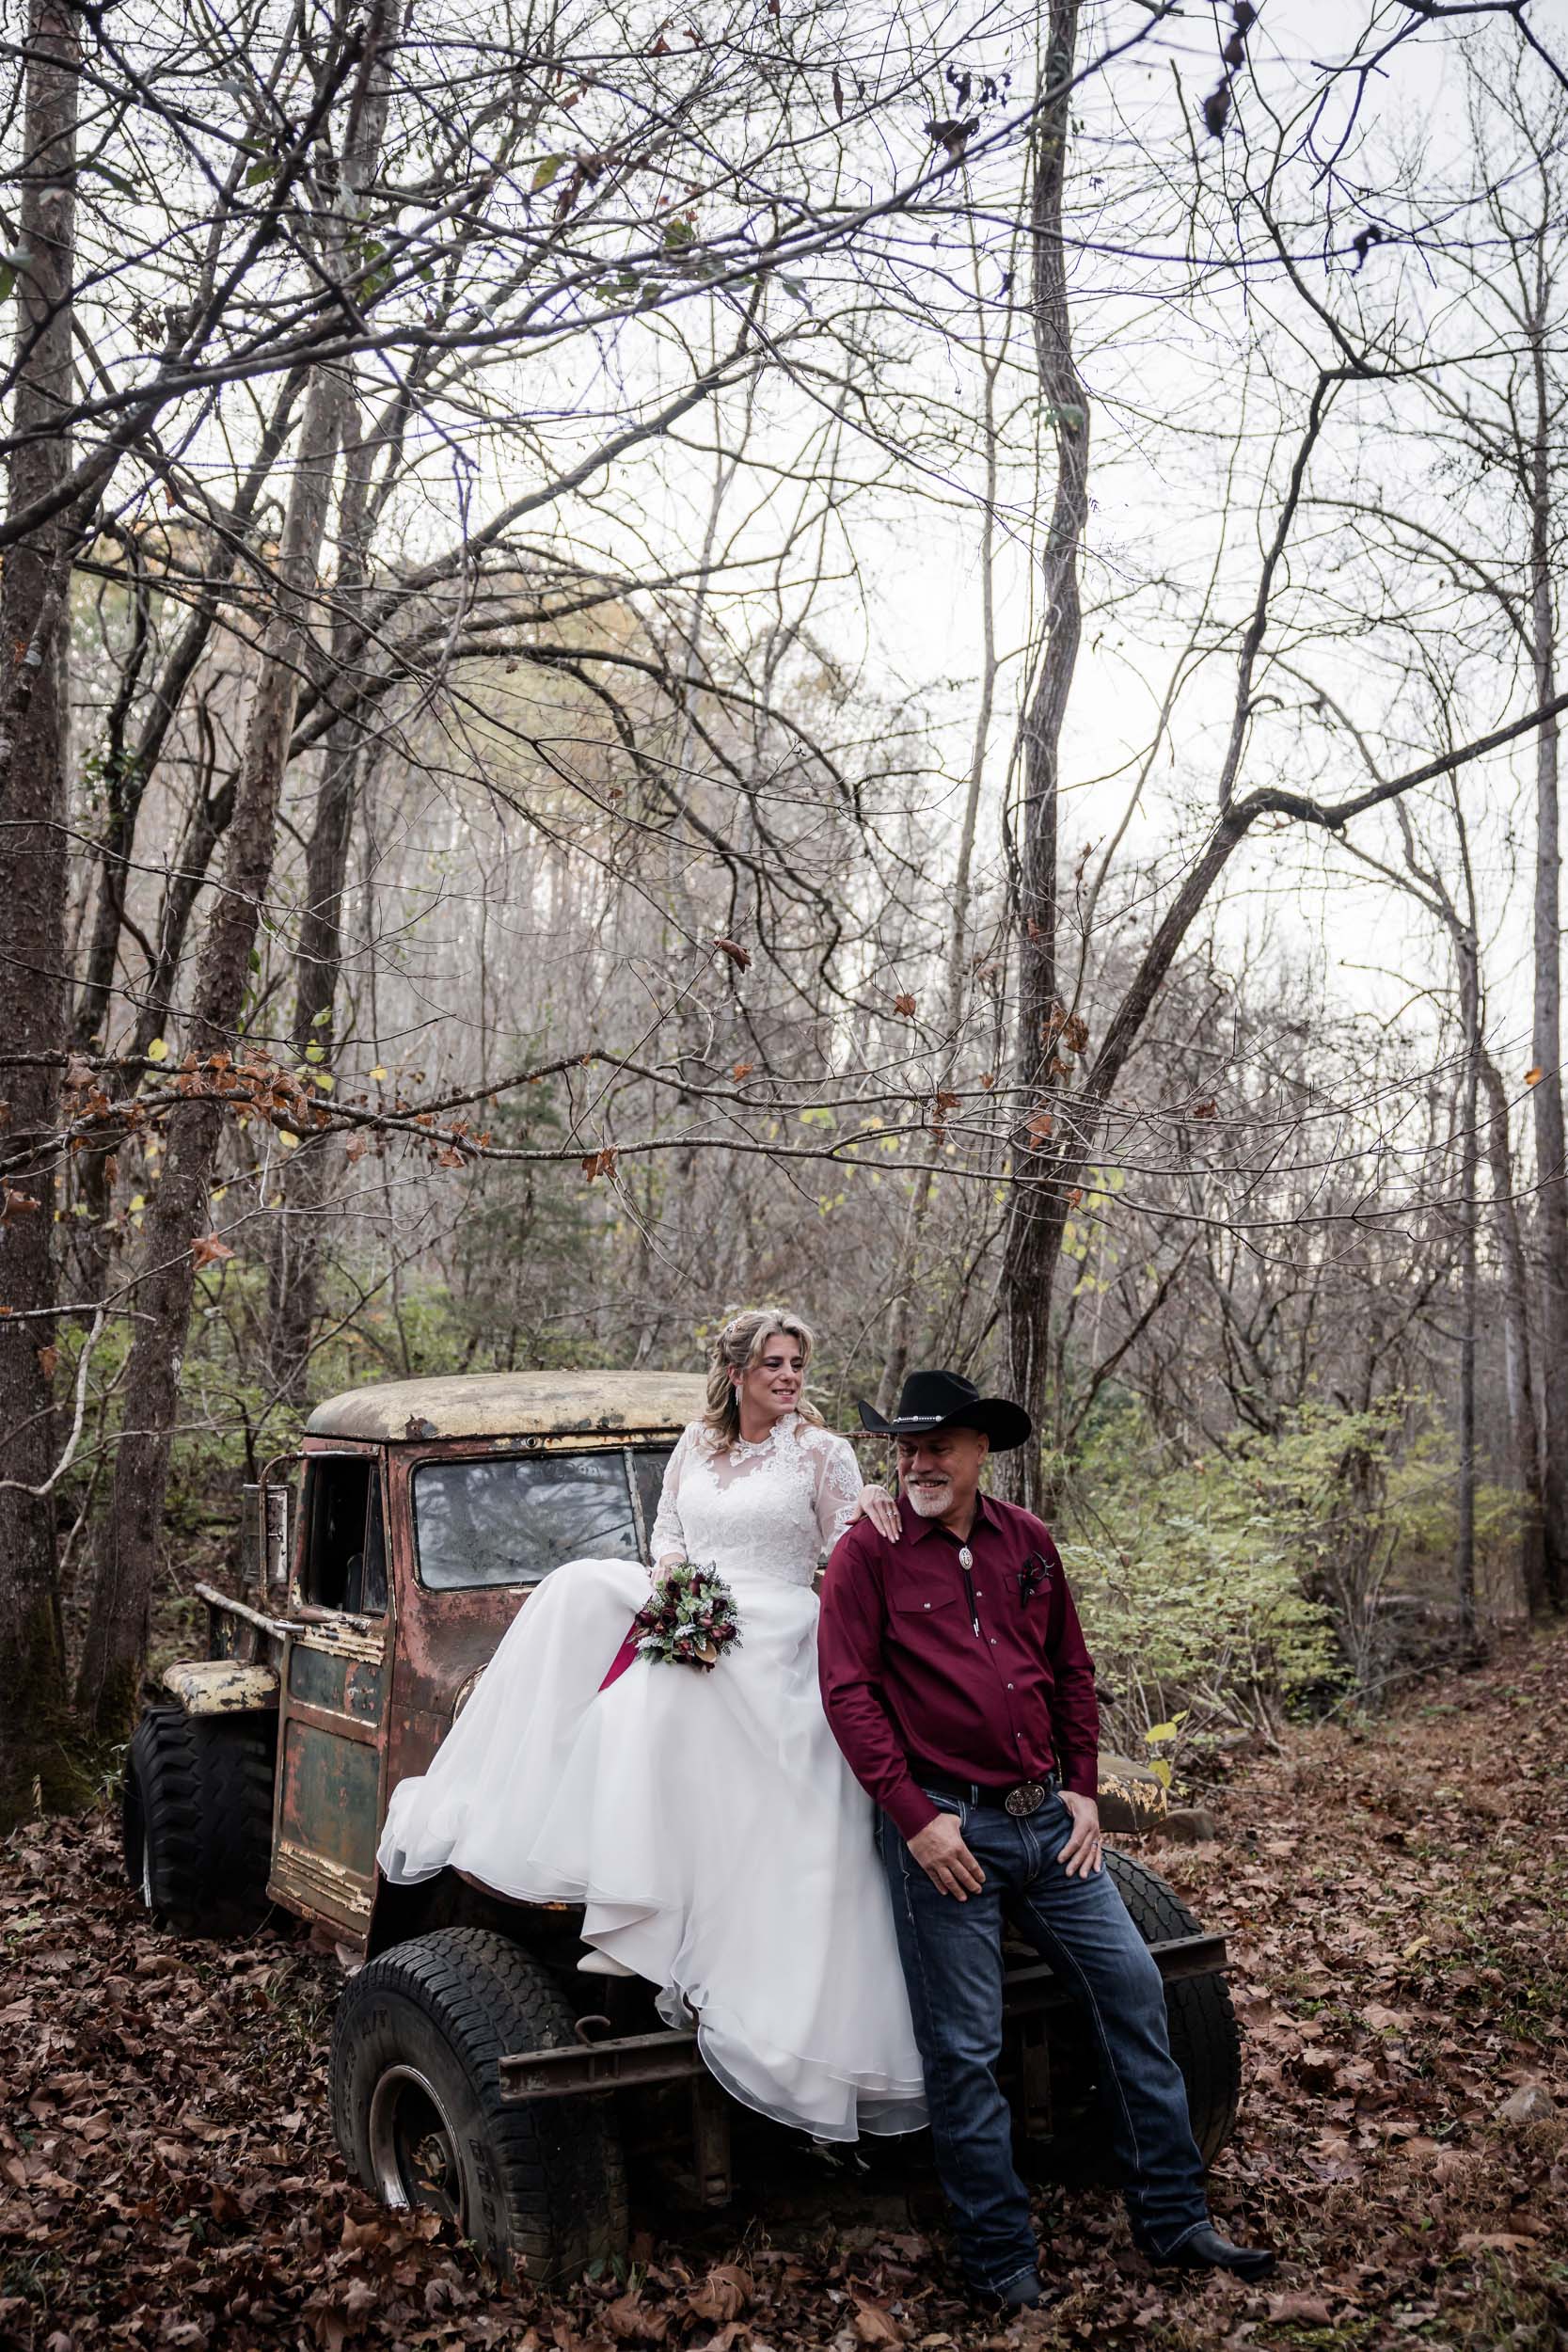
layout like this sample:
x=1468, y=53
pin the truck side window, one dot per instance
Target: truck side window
x=340, y=1534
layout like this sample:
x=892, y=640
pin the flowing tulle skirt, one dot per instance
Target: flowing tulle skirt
x=709, y=1823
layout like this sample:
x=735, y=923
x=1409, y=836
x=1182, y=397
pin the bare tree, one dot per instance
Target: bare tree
x=115, y=1634
x=1034, y=1224
x=33, y=855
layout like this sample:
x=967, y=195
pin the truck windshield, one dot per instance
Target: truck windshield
x=512, y=1521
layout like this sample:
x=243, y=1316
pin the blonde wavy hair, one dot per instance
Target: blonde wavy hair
x=736, y=1348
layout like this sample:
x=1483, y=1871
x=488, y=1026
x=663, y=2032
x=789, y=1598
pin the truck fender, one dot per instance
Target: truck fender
x=222, y=1686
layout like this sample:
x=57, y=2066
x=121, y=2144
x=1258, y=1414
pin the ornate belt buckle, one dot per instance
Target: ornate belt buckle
x=1026, y=1797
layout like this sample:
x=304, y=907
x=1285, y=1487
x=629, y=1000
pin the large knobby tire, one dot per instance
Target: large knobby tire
x=418, y=2109
x=195, y=1817
x=1204, y=2040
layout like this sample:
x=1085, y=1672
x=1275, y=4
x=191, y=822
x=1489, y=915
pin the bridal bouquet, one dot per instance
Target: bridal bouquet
x=688, y=1619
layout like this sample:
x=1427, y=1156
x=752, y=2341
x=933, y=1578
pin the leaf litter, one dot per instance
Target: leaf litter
x=1396, y=1900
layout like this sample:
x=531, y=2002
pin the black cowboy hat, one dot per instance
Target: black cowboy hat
x=945, y=1400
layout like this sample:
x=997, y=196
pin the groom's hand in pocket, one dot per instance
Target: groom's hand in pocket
x=1083, y=1857
x=940, y=1852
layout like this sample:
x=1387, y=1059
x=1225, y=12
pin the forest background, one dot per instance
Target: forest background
x=895, y=659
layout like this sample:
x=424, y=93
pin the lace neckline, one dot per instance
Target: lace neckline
x=749, y=1449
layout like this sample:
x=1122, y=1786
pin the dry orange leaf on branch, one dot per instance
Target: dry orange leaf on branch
x=599, y=1163
x=943, y=1102
x=904, y=1005
x=209, y=1249
x=1070, y=1029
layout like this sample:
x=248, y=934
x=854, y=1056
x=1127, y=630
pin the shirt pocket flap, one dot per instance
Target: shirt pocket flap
x=916, y=1600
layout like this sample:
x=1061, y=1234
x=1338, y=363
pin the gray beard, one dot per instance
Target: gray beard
x=930, y=1502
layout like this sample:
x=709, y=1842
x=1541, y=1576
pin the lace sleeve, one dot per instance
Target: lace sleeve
x=666, y=1542
x=838, y=1486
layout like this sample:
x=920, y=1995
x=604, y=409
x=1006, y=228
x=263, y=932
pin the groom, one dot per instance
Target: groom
x=957, y=1685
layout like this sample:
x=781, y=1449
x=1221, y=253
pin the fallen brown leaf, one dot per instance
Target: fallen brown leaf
x=1311, y=2310
x=723, y=2294
x=875, y=2324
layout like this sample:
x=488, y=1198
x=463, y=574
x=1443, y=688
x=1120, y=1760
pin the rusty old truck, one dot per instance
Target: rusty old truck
x=385, y=1561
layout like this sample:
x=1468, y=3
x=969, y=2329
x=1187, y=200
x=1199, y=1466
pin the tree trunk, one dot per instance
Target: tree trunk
x=126, y=1549
x=93, y=1243
x=1550, y=1157
x=36, y=1748
x=294, y=1269
x=128, y=770
x=1522, y=1419
x=1032, y=1242
x=1465, y=1553
x=205, y=828
x=124, y=781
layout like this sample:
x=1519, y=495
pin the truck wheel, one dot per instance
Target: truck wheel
x=1204, y=2040
x=195, y=1817
x=418, y=2109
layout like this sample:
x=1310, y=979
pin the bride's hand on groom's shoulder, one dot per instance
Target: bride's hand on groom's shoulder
x=876, y=1505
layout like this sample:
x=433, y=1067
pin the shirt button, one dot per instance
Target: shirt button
x=926, y=1604
x=1009, y=1686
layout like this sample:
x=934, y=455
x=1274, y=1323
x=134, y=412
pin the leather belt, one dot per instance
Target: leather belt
x=1023, y=1798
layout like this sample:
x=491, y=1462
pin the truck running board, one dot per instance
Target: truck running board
x=634, y=2059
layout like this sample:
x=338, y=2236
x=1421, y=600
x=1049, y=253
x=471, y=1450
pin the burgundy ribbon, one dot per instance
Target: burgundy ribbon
x=623, y=1658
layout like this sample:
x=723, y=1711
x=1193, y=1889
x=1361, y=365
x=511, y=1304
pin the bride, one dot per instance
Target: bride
x=707, y=1822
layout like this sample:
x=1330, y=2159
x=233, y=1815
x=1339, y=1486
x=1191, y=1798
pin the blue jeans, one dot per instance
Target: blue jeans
x=952, y=1956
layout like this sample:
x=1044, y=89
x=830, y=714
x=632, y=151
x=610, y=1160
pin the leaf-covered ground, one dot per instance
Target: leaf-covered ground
x=1398, y=1907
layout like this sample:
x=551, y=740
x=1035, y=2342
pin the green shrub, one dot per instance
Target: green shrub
x=1192, y=1602
x=1227, y=1590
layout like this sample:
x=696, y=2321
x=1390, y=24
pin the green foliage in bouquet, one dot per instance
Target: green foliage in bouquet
x=689, y=1619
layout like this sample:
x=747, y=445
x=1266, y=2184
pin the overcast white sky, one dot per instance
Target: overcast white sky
x=1153, y=505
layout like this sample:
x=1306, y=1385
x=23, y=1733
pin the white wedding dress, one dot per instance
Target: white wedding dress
x=707, y=1822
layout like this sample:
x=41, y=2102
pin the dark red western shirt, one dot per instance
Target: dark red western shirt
x=1000, y=1695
